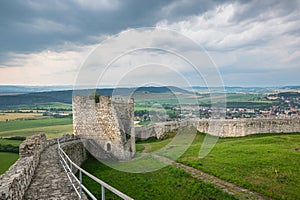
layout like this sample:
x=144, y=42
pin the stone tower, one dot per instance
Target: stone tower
x=108, y=123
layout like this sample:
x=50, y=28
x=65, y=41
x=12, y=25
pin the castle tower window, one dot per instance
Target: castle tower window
x=108, y=147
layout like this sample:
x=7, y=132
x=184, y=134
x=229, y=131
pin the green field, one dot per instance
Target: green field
x=166, y=183
x=52, y=127
x=268, y=164
x=12, y=142
x=38, y=106
x=240, y=97
x=234, y=100
x=7, y=159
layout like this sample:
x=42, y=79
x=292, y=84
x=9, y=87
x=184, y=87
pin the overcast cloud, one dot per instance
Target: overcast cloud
x=252, y=42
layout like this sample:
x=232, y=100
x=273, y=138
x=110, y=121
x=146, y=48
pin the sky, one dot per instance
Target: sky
x=251, y=43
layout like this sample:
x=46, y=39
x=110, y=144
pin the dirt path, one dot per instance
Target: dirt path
x=230, y=188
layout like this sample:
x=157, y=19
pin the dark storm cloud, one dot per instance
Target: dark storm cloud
x=34, y=25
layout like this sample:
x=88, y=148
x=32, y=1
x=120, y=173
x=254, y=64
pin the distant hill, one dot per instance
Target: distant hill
x=10, y=100
x=233, y=89
x=65, y=96
x=30, y=89
x=289, y=94
x=295, y=87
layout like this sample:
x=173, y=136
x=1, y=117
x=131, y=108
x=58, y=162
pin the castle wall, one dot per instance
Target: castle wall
x=236, y=128
x=225, y=128
x=109, y=123
x=76, y=152
x=15, y=181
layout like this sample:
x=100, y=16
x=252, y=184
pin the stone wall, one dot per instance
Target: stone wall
x=237, y=128
x=109, y=123
x=15, y=181
x=225, y=128
x=159, y=129
x=76, y=152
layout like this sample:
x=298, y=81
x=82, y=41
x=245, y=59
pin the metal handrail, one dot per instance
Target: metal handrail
x=68, y=165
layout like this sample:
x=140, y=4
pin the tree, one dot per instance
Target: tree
x=96, y=97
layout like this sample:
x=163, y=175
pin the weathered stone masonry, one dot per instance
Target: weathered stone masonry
x=14, y=184
x=15, y=181
x=228, y=128
x=108, y=123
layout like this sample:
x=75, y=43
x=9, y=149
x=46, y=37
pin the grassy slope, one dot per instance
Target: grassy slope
x=166, y=183
x=9, y=158
x=51, y=126
x=267, y=164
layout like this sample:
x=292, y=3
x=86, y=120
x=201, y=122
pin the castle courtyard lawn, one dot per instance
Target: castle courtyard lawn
x=166, y=183
x=6, y=160
x=266, y=163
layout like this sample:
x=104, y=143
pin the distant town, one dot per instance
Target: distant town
x=280, y=105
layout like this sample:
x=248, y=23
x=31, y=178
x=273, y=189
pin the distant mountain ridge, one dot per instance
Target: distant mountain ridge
x=26, y=97
x=30, y=89
x=34, y=89
x=65, y=96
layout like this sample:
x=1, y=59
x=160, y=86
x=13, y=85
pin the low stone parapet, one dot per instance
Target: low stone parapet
x=15, y=181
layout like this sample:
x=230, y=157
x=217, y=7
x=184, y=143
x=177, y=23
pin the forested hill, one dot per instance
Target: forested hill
x=8, y=101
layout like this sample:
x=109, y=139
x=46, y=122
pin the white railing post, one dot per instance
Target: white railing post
x=66, y=161
x=80, y=178
x=103, y=192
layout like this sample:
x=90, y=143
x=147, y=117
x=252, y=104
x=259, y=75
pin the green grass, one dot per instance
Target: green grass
x=50, y=131
x=12, y=142
x=6, y=160
x=268, y=164
x=166, y=183
x=52, y=127
x=145, y=123
x=154, y=146
x=39, y=106
x=247, y=100
x=139, y=148
x=34, y=123
x=234, y=97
